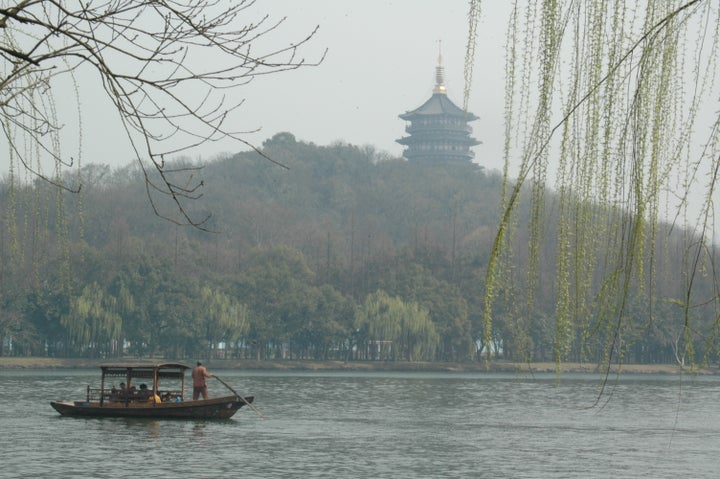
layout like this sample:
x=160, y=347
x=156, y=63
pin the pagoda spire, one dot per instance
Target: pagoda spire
x=440, y=73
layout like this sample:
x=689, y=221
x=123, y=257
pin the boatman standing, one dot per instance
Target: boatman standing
x=199, y=373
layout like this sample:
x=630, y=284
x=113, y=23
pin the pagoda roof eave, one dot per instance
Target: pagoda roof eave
x=438, y=104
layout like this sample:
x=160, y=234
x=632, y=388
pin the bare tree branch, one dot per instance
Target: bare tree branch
x=170, y=67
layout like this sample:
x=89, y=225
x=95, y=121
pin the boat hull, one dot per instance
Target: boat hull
x=216, y=408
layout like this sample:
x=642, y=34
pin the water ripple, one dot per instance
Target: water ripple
x=375, y=425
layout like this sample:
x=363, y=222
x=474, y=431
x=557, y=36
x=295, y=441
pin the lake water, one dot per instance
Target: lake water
x=377, y=425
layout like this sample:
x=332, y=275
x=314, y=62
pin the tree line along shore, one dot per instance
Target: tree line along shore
x=11, y=362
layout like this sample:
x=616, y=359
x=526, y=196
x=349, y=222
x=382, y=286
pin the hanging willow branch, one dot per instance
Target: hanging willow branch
x=170, y=68
x=623, y=86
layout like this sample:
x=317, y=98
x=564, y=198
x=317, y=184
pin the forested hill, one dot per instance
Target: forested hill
x=349, y=200
x=325, y=252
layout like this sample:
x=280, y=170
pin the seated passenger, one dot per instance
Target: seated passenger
x=144, y=393
x=122, y=393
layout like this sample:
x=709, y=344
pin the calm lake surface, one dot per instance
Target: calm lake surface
x=377, y=425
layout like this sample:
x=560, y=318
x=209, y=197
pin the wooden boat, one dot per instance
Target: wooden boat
x=165, y=399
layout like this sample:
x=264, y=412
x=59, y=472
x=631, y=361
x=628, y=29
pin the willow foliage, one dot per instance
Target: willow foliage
x=94, y=320
x=226, y=319
x=613, y=105
x=398, y=329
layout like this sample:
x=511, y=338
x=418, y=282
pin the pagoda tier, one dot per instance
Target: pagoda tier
x=438, y=130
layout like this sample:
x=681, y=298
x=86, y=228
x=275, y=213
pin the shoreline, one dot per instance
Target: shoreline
x=364, y=366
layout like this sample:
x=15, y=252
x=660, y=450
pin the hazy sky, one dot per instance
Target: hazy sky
x=380, y=63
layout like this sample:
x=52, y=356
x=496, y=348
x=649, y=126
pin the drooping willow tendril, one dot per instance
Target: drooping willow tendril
x=604, y=106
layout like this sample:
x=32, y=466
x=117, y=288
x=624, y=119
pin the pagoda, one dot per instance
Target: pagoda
x=438, y=132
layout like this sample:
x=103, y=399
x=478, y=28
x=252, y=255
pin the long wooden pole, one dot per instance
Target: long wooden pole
x=239, y=396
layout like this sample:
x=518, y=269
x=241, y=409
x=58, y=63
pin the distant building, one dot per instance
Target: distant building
x=438, y=131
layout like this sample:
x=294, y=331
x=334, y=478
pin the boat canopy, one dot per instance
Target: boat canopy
x=145, y=370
